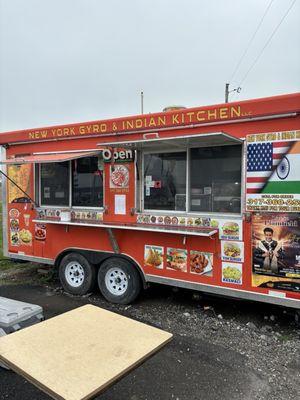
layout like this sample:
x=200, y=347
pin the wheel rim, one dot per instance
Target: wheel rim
x=74, y=274
x=116, y=281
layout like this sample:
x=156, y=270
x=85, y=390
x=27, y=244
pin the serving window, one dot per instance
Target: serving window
x=55, y=188
x=200, y=179
x=87, y=183
x=165, y=181
x=77, y=183
x=215, y=179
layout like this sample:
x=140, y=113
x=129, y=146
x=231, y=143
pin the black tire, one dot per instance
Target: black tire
x=297, y=318
x=84, y=281
x=130, y=286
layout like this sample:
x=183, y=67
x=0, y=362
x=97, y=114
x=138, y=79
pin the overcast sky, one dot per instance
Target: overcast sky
x=65, y=61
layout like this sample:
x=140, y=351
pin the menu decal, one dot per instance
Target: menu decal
x=14, y=225
x=177, y=259
x=231, y=229
x=232, y=251
x=232, y=273
x=154, y=256
x=120, y=204
x=201, y=263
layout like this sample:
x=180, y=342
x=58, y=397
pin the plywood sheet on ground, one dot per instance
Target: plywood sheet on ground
x=78, y=354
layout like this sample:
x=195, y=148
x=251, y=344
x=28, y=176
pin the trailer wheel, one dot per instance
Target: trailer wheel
x=119, y=280
x=76, y=274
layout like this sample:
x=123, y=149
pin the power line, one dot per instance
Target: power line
x=267, y=43
x=250, y=41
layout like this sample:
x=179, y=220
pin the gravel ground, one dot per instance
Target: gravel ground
x=268, y=343
x=222, y=349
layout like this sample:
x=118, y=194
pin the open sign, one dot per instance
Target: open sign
x=117, y=155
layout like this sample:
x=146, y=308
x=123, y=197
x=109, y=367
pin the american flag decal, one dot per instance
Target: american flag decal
x=262, y=159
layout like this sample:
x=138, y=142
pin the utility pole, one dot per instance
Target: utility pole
x=226, y=92
x=142, y=102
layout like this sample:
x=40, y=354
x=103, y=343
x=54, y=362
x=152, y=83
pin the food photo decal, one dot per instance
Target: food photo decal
x=232, y=251
x=14, y=213
x=201, y=263
x=14, y=227
x=177, y=259
x=232, y=273
x=25, y=236
x=230, y=229
x=40, y=232
x=14, y=238
x=14, y=224
x=154, y=256
x=119, y=176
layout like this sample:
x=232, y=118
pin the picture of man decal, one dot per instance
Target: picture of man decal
x=268, y=252
x=276, y=251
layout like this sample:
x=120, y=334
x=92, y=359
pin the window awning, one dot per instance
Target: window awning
x=48, y=158
x=152, y=141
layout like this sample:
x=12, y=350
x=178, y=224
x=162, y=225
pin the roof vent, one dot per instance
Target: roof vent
x=173, y=108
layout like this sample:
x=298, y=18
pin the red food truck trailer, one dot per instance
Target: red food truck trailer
x=204, y=198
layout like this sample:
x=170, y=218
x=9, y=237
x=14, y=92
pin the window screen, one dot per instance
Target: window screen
x=165, y=181
x=55, y=184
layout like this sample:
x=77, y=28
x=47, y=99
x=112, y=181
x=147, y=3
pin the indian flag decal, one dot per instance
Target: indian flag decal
x=273, y=172
x=286, y=177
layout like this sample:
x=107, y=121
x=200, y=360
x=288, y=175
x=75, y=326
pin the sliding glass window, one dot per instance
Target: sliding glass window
x=87, y=183
x=214, y=176
x=55, y=184
x=165, y=181
x=84, y=188
x=215, y=179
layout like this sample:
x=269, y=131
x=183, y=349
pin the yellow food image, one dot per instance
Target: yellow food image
x=232, y=273
x=214, y=223
x=25, y=236
x=20, y=174
x=153, y=258
x=232, y=250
